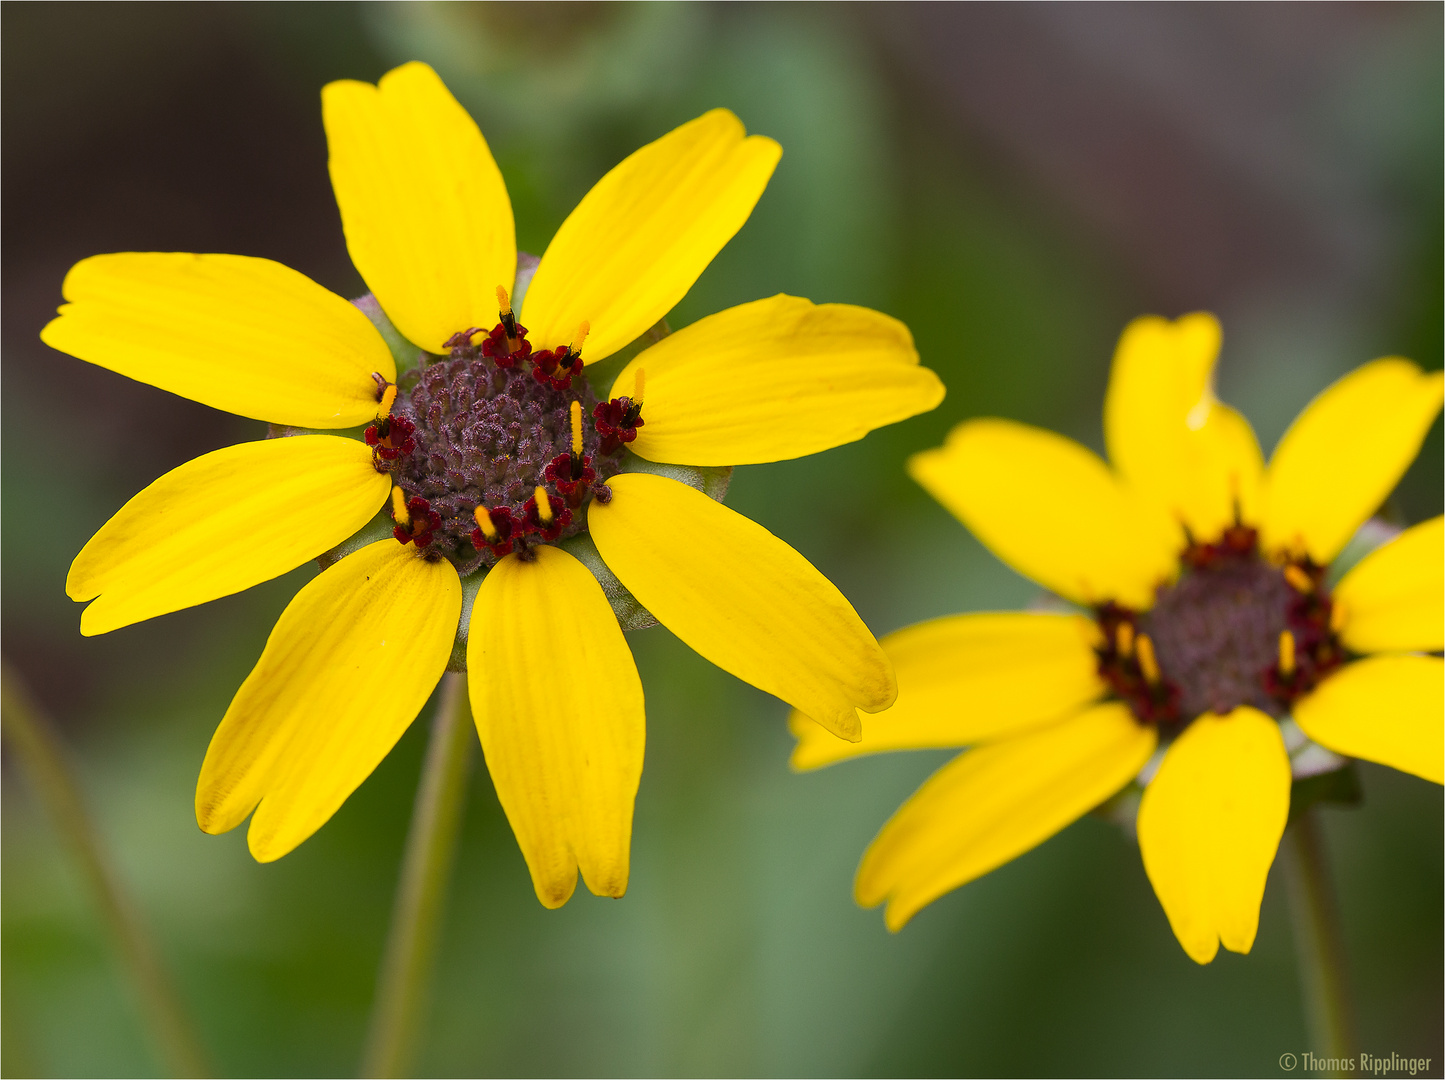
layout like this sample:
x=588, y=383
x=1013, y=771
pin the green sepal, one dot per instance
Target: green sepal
x=1338, y=786
x=378, y=528
x=711, y=480
x=406, y=355
x=631, y=615
x=470, y=584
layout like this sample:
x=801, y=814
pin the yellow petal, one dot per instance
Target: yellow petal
x=640, y=238
x=1394, y=598
x=351, y=661
x=1389, y=709
x=1209, y=825
x=426, y=214
x=1168, y=436
x=1052, y=510
x=222, y=523
x=558, y=705
x=992, y=804
x=742, y=598
x=249, y=336
x=1344, y=454
x=964, y=679
x=775, y=379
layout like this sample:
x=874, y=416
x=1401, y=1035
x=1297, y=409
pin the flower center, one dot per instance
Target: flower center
x=1234, y=629
x=497, y=447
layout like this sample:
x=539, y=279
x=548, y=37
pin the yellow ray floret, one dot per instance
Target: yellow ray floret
x=1209, y=826
x=1389, y=709
x=559, y=709
x=248, y=336
x=1166, y=433
x=742, y=598
x=1394, y=600
x=775, y=379
x=992, y=804
x=426, y=215
x=638, y=240
x=350, y=663
x=1345, y=453
x=964, y=679
x=226, y=521
x=1052, y=510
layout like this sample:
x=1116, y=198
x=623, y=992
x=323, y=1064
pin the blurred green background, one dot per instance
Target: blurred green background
x=1015, y=182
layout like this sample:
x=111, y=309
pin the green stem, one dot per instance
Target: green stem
x=33, y=738
x=1318, y=940
x=425, y=870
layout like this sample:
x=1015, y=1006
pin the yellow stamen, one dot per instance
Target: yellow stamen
x=484, y=522
x=580, y=338
x=504, y=302
x=1124, y=639
x=638, y=382
x=1286, y=653
x=1148, y=663
x=388, y=399
x=398, y=507
x=1298, y=579
x=1337, y=617
x=576, y=429
x=544, y=505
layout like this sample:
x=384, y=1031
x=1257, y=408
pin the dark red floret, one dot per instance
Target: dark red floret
x=561, y=517
x=556, y=367
x=505, y=524
x=391, y=438
x=617, y=422
x=571, y=476
x=424, y=521
x=507, y=353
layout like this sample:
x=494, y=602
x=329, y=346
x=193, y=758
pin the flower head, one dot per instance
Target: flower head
x=483, y=488
x=1208, y=636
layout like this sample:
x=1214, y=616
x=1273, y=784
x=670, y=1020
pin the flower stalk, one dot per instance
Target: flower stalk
x=31, y=735
x=1318, y=940
x=431, y=842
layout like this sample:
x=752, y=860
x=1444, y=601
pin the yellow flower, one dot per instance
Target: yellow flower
x=489, y=453
x=1210, y=623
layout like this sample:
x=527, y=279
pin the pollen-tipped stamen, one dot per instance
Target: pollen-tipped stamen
x=1286, y=654
x=1124, y=639
x=577, y=462
x=1148, y=663
x=484, y=522
x=388, y=399
x=1300, y=581
x=508, y=319
x=399, y=512
x=544, y=505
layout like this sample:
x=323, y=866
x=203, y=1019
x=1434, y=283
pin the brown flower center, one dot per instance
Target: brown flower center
x=1233, y=629
x=497, y=447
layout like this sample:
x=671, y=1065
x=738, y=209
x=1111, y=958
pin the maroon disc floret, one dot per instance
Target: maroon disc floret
x=534, y=523
x=424, y=522
x=617, y=422
x=505, y=526
x=391, y=438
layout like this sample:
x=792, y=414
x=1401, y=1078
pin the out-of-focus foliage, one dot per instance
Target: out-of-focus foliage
x=1013, y=181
